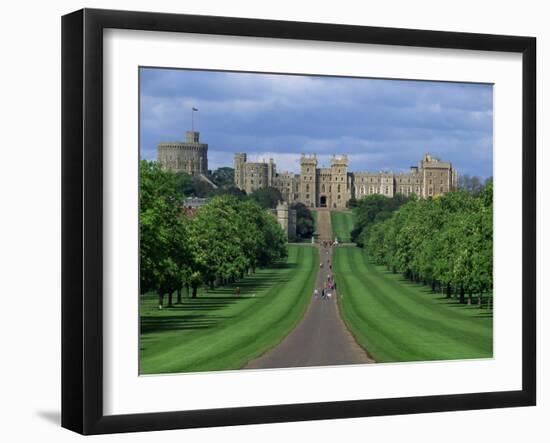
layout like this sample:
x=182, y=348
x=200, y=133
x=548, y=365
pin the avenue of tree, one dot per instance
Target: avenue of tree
x=226, y=239
x=445, y=242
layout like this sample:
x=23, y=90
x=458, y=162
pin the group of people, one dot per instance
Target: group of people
x=330, y=285
x=327, y=290
x=327, y=243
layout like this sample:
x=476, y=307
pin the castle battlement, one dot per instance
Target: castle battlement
x=189, y=156
x=334, y=186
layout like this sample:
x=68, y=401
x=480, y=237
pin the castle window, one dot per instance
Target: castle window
x=338, y=196
x=338, y=189
x=307, y=187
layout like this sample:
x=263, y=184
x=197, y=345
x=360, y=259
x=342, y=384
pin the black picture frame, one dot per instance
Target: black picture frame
x=82, y=219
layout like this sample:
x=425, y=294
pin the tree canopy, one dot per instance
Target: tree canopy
x=227, y=238
x=223, y=177
x=445, y=241
x=267, y=198
x=305, y=225
x=374, y=208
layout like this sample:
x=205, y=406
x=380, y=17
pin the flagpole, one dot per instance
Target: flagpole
x=193, y=109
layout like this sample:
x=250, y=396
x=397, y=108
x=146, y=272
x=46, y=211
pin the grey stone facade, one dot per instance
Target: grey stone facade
x=286, y=218
x=334, y=186
x=252, y=176
x=189, y=156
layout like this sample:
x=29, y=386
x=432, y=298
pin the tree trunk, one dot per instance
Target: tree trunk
x=179, y=296
x=448, y=290
x=469, y=296
x=433, y=285
x=170, y=298
x=194, y=294
x=187, y=290
x=480, y=299
x=161, y=299
x=462, y=300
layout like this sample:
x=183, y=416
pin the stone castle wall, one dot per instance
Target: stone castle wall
x=189, y=156
x=334, y=186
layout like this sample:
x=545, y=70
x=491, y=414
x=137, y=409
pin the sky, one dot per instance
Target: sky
x=380, y=124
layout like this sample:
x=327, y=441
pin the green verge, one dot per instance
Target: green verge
x=221, y=331
x=342, y=225
x=397, y=321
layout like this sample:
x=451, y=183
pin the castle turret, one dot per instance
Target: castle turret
x=189, y=156
x=192, y=136
x=340, y=186
x=240, y=161
x=308, y=180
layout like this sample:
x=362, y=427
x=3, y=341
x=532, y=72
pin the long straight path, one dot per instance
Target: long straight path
x=321, y=338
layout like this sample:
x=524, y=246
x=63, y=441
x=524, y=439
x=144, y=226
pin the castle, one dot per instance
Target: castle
x=334, y=186
x=316, y=187
x=190, y=156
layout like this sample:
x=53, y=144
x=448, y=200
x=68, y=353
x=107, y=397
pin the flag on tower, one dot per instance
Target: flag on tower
x=194, y=109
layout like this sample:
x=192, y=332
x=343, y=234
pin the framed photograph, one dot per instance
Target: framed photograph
x=268, y=221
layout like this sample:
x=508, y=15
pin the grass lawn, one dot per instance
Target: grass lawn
x=396, y=320
x=220, y=331
x=342, y=225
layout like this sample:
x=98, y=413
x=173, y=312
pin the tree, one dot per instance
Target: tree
x=471, y=184
x=446, y=242
x=305, y=225
x=230, y=190
x=374, y=208
x=219, y=254
x=230, y=237
x=267, y=198
x=162, y=231
x=184, y=184
x=227, y=237
x=223, y=177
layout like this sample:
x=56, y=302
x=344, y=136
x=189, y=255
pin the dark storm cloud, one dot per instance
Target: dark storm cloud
x=380, y=124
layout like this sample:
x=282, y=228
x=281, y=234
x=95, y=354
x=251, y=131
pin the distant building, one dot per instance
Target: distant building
x=334, y=186
x=252, y=176
x=194, y=202
x=286, y=218
x=189, y=156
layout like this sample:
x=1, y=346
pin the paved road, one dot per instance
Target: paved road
x=321, y=338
